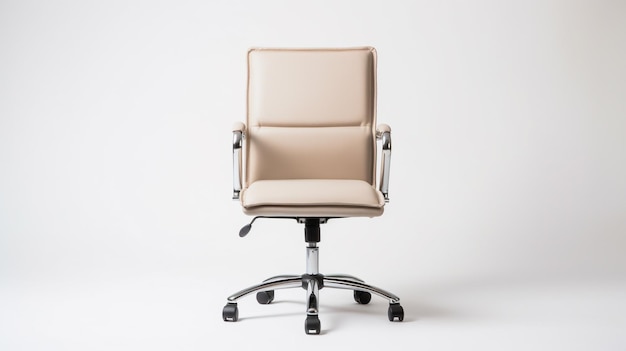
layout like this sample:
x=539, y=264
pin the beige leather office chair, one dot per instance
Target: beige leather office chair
x=309, y=153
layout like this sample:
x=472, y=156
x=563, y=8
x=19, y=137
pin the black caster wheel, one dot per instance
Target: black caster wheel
x=230, y=313
x=265, y=297
x=312, y=325
x=395, y=311
x=362, y=297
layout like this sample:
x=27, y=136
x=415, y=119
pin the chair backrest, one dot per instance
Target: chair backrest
x=311, y=114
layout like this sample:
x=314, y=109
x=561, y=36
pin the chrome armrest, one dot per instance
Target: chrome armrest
x=383, y=132
x=238, y=136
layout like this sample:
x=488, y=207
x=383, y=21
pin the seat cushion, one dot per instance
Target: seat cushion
x=312, y=198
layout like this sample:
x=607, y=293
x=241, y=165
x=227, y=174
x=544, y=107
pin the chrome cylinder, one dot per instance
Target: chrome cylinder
x=312, y=259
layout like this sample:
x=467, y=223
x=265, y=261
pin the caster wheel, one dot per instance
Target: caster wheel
x=362, y=297
x=230, y=313
x=265, y=297
x=312, y=325
x=395, y=311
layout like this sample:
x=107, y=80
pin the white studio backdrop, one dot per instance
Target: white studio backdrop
x=509, y=135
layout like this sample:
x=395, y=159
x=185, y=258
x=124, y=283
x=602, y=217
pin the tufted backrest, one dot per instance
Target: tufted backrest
x=311, y=114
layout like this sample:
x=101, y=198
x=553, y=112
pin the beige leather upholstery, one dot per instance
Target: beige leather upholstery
x=315, y=197
x=382, y=128
x=240, y=127
x=310, y=141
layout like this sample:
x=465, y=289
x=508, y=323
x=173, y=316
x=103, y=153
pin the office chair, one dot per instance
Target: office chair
x=309, y=154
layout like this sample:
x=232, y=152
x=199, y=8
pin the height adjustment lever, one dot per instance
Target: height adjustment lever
x=246, y=228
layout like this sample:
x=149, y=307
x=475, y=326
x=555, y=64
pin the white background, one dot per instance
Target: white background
x=507, y=222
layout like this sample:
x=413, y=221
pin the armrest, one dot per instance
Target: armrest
x=239, y=130
x=383, y=132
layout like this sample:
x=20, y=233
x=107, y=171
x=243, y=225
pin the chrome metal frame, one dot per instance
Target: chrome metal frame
x=385, y=163
x=352, y=284
x=238, y=137
x=336, y=281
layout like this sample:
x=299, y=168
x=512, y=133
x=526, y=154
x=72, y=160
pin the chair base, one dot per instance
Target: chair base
x=312, y=281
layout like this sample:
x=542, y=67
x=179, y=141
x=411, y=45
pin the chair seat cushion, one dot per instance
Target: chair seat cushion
x=312, y=197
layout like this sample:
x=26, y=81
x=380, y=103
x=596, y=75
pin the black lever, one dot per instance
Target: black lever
x=246, y=228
